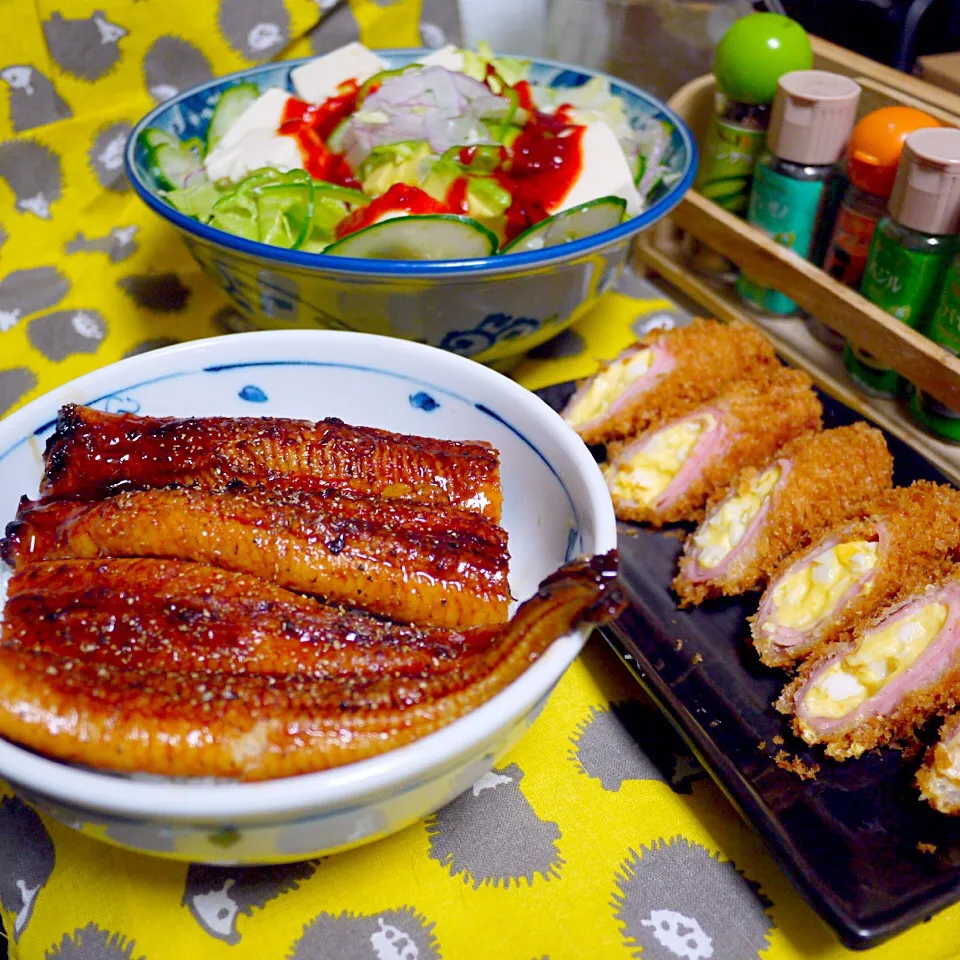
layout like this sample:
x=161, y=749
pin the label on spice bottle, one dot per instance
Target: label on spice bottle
x=787, y=210
x=726, y=166
x=847, y=254
x=903, y=282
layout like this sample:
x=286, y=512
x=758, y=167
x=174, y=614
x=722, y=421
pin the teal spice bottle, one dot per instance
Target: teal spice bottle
x=911, y=246
x=813, y=114
x=943, y=328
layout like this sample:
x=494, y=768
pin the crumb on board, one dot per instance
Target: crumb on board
x=762, y=745
x=805, y=771
x=714, y=723
x=927, y=847
x=676, y=533
x=778, y=740
x=696, y=658
x=678, y=643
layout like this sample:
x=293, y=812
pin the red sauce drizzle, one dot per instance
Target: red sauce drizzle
x=311, y=124
x=401, y=197
x=457, y=195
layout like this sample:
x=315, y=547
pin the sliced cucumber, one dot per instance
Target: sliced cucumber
x=335, y=140
x=230, y=105
x=236, y=213
x=431, y=237
x=195, y=201
x=173, y=164
x=573, y=224
x=284, y=212
x=333, y=191
x=153, y=137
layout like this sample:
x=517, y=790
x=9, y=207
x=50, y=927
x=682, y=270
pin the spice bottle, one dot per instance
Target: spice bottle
x=873, y=155
x=911, y=245
x=943, y=328
x=812, y=117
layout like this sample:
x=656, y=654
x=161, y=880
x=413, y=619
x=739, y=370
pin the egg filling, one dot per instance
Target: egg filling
x=648, y=473
x=607, y=386
x=726, y=526
x=812, y=593
x=883, y=654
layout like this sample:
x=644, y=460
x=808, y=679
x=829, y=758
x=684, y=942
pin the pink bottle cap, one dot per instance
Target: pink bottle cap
x=926, y=193
x=813, y=114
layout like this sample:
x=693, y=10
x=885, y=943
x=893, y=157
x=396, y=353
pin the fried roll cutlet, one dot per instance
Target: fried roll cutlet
x=400, y=560
x=225, y=722
x=92, y=454
x=666, y=374
x=148, y=614
x=669, y=472
x=939, y=778
x=896, y=671
x=813, y=483
x=910, y=537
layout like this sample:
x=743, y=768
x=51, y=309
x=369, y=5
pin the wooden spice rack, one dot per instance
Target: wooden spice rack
x=666, y=250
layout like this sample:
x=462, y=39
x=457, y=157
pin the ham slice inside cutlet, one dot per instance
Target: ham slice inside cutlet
x=892, y=677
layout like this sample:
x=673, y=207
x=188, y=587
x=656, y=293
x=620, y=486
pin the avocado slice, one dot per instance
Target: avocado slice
x=392, y=163
x=487, y=200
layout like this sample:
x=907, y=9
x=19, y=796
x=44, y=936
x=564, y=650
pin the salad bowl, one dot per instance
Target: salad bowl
x=556, y=507
x=490, y=308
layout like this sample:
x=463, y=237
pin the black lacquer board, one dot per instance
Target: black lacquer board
x=848, y=839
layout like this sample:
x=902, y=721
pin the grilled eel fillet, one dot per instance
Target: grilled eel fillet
x=92, y=454
x=397, y=559
x=147, y=614
x=255, y=726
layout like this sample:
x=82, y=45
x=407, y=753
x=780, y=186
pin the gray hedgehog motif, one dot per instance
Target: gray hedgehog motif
x=439, y=23
x=14, y=383
x=491, y=835
x=401, y=934
x=26, y=291
x=163, y=292
x=337, y=27
x=92, y=943
x=4, y=237
x=33, y=173
x=33, y=99
x=106, y=157
x=86, y=48
x=569, y=343
x=118, y=244
x=172, y=65
x=256, y=29
x=66, y=333
x=633, y=741
x=147, y=345
x=218, y=896
x=27, y=855
x=677, y=902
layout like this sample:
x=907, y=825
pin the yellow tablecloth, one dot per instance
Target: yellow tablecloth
x=598, y=837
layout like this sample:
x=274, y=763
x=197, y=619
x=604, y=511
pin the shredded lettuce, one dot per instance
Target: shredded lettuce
x=512, y=69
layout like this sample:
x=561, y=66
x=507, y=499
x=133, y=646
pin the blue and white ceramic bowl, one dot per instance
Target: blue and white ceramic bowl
x=492, y=309
x=556, y=506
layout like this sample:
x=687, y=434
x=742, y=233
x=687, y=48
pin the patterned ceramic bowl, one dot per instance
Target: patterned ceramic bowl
x=491, y=309
x=556, y=506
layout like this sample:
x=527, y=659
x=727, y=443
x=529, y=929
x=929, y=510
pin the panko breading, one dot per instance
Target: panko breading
x=916, y=536
x=939, y=778
x=743, y=426
x=897, y=670
x=814, y=482
x=666, y=374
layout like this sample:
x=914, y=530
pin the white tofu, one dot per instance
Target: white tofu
x=448, y=57
x=253, y=142
x=255, y=149
x=604, y=172
x=319, y=79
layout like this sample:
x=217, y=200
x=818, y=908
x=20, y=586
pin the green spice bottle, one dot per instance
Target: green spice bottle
x=813, y=114
x=911, y=246
x=943, y=328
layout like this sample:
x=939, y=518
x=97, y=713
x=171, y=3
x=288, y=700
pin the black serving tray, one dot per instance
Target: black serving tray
x=848, y=839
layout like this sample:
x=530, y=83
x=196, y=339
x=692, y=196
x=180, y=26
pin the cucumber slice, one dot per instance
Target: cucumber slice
x=236, y=213
x=173, y=164
x=335, y=140
x=573, y=224
x=195, y=201
x=284, y=212
x=230, y=105
x=154, y=137
x=431, y=237
x=333, y=191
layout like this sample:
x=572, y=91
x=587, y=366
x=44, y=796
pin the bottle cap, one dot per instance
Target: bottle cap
x=877, y=143
x=926, y=192
x=812, y=117
x=755, y=52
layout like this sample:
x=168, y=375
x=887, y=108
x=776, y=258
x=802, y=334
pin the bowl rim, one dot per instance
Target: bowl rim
x=325, y=792
x=413, y=269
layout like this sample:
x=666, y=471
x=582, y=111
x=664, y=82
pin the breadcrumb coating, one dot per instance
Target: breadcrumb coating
x=938, y=780
x=758, y=416
x=707, y=355
x=831, y=477
x=918, y=528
